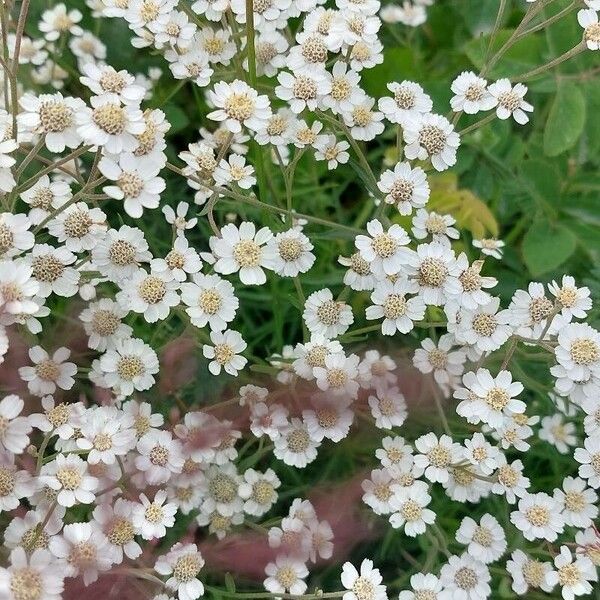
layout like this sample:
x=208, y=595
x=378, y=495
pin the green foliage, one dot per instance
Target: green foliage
x=566, y=119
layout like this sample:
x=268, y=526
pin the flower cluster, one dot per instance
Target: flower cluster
x=91, y=488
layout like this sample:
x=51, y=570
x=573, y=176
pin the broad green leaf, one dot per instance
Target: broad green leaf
x=565, y=120
x=398, y=64
x=176, y=117
x=546, y=247
x=542, y=180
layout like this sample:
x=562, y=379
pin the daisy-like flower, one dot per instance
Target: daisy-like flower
x=409, y=102
x=471, y=94
x=445, y=364
x=528, y=573
x=60, y=419
x=110, y=124
x=424, y=586
x=271, y=47
x=384, y=250
x=329, y=418
x=363, y=585
x=326, y=316
x=129, y=366
x=359, y=276
x=490, y=247
x=15, y=484
x=54, y=117
x=511, y=100
x=18, y=291
x=574, y=301
x=439, y=227
x=220, y=484
x=48, y=373
x=268, y=420
x=305, y=88
x=485, y=541
x=217, y=44
x=409, y=504
x=84, y=550
x=378, y=491
x=313, y=354
x=539, y=517
x=489, y=399
x=102, y=323
x=338, y=375
x=57, y=21
x=52, y=271
x=266, y=16
x=44, y=196
x=555, y=431
x=480, y=453
x=589, y=459
x=14, y=432
x=376, y=370
x=473, y=284
x=388, y=407
x=192, y=64
x=237, y=105
x=78, y=226
x=579, y=503
x=104, y=79
x=25, y=531
x=511, y=481
x=394, y=452
x=119, y=253
x=116, y=522
x=530, y=310
x=159, y=456
x=405, y=187
x=151, y=294
x=151, y=519
x=178, y=218
x=15, y=236
x=437, y=455
x=224, y=353
x=432, y=137
x=328, y=148
x=345, y=91
x=295, y=446
x=241, y=249
x=289, y=253
x=434, y=267
x=235, y=170
x=31, y=575
x=574, y=574
x=588, y=19
x=390, y=303
x=135, y=182
x=209, y=300
x=364, y=122
x=578, y=351
x=68, y=476
x=465, y=578
x=286, y=575
x=7, y=181
x=259, y=491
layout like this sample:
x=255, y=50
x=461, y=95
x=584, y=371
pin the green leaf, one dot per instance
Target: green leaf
x=175, y=115
x=395, y=60
x=546, y=246
x=565, y=121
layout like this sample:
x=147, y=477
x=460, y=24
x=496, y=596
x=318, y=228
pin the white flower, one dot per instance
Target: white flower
x=437, y=455
x=365, y=585
x=464, y=578
x=238, y=104
x=558, y=433
x=14, y=430
x=528, y=573
x=490, y=247
x=329, y=418
x=48, y=373
x=472, y=284
x=268, y=420
x=110, y=124
x=159, y=456
x=511, y=480
x=271, y=47
x=129, y=366
x=182, y=564
x=573, y=301
x=305, y=88
x=539, y=517
x=408, y=103
x=295, y=446
x=388, y=407
x=104, y=79
x=241, y=249
x=328, y=148
x=446, y=364
x=83, y=548
x=266, y=17
x=345, y=92
x=471, y=94
x=364, y=122
x=116, y=521
x=210, y=300
x=15, y=234
x=589, y=459
x=286, y=574
x=15, y=484
x=57, y=21
x=488, y=399
x=573, y=574
x=178, y=219
x=578, y=351
x=426, y=586
x=7, y=181
x=398, y=311
x=68, y=476
x=359, y=276
x=60, y=419
x=439, y=227
x=119, y=253
x=480, y=453
x=431, y=136
x=21, y=531
x=579, y=503
x=395, y=452
x=511, y=100
x=486, y=540
x=45, y=196
x=383, y=250
x=313, y=354
x=378, y=491
x=258, y=491
x=136, y=182
x=588, y=19
x=192, y=64
x=31, y=576
x=224, y=352
x=326, y=316
x=102, y=323
x=288, y=253
x=530, y=310
x=78, y=226
x=51, y=270
x=17, y=291
x=338, y=375
x=151, y=519
x=235, y=170
x=409, y=508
